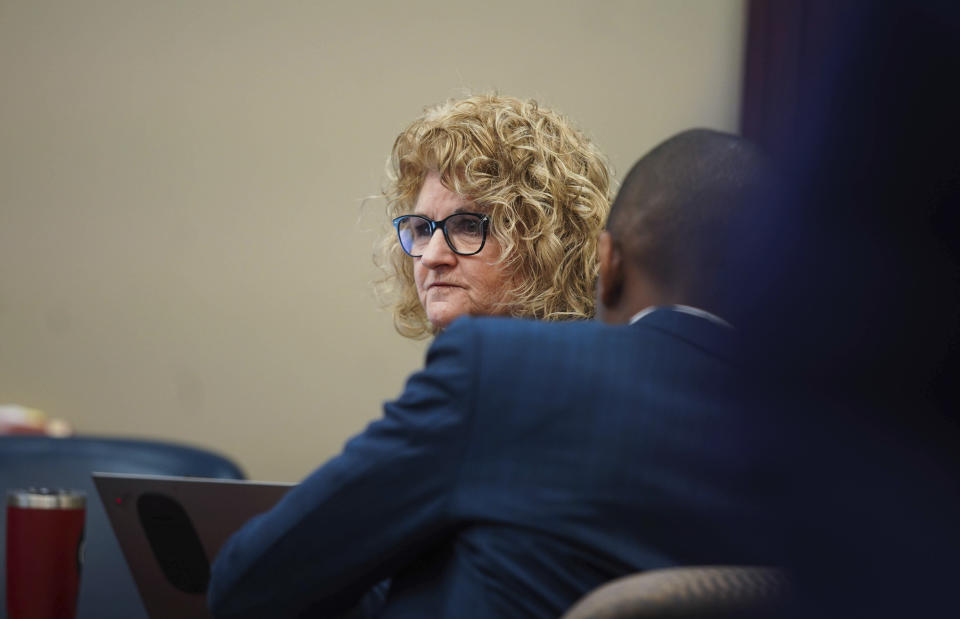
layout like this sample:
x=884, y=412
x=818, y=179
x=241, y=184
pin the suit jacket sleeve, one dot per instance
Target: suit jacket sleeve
x=365, y=513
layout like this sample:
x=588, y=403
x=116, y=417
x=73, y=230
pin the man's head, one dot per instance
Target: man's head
x=667, y=236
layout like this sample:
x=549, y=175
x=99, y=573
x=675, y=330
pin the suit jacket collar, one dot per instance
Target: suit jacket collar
x=714, y=337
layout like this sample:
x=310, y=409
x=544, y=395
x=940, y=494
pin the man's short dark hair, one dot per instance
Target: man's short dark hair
x=675, y=211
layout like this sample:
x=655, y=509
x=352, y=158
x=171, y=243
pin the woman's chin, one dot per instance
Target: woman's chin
x=441, y=314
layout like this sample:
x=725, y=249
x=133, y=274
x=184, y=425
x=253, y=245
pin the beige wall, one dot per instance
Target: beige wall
x=183, y=252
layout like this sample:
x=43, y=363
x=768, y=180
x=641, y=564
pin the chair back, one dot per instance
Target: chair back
x=714, y=592
x=107, y=590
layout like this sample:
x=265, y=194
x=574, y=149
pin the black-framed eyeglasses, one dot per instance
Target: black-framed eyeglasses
x=465, y=233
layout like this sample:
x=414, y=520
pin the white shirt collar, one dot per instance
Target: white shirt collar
x=686, y=309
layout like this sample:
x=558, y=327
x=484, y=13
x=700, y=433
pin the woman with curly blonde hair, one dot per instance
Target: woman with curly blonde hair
x=519, y=196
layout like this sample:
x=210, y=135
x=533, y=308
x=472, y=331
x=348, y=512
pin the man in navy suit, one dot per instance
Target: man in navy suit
x=530, y=462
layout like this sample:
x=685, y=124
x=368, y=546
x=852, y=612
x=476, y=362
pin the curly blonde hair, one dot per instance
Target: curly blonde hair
x=545, y=185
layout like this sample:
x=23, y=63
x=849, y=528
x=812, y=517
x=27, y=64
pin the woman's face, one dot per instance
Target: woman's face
x=448, y=284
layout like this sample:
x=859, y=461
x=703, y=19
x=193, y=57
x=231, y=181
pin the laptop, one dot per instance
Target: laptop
x=171, y=528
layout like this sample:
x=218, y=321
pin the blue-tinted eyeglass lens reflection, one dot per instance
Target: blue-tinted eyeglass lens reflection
x=414, y=234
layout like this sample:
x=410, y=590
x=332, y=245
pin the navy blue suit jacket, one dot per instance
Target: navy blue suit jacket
x=526, y=464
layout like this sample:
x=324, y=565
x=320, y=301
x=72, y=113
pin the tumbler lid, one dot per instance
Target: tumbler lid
x=47, y=498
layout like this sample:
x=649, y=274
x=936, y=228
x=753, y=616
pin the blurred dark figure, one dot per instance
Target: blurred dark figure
x=851, y=305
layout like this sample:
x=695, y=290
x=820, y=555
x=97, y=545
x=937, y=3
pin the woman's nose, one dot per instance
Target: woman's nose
x=437, y=252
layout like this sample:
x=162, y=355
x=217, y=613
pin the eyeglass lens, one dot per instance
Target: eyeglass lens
x=464, y=233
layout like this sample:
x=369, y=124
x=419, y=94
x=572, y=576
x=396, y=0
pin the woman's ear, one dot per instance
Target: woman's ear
x=610, y=281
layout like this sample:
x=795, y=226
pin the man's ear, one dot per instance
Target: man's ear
x=610, y=282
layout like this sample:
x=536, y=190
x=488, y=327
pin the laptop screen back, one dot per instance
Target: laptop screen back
x=171, y=528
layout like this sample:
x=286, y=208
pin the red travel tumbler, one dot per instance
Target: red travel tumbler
x=44, y=552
